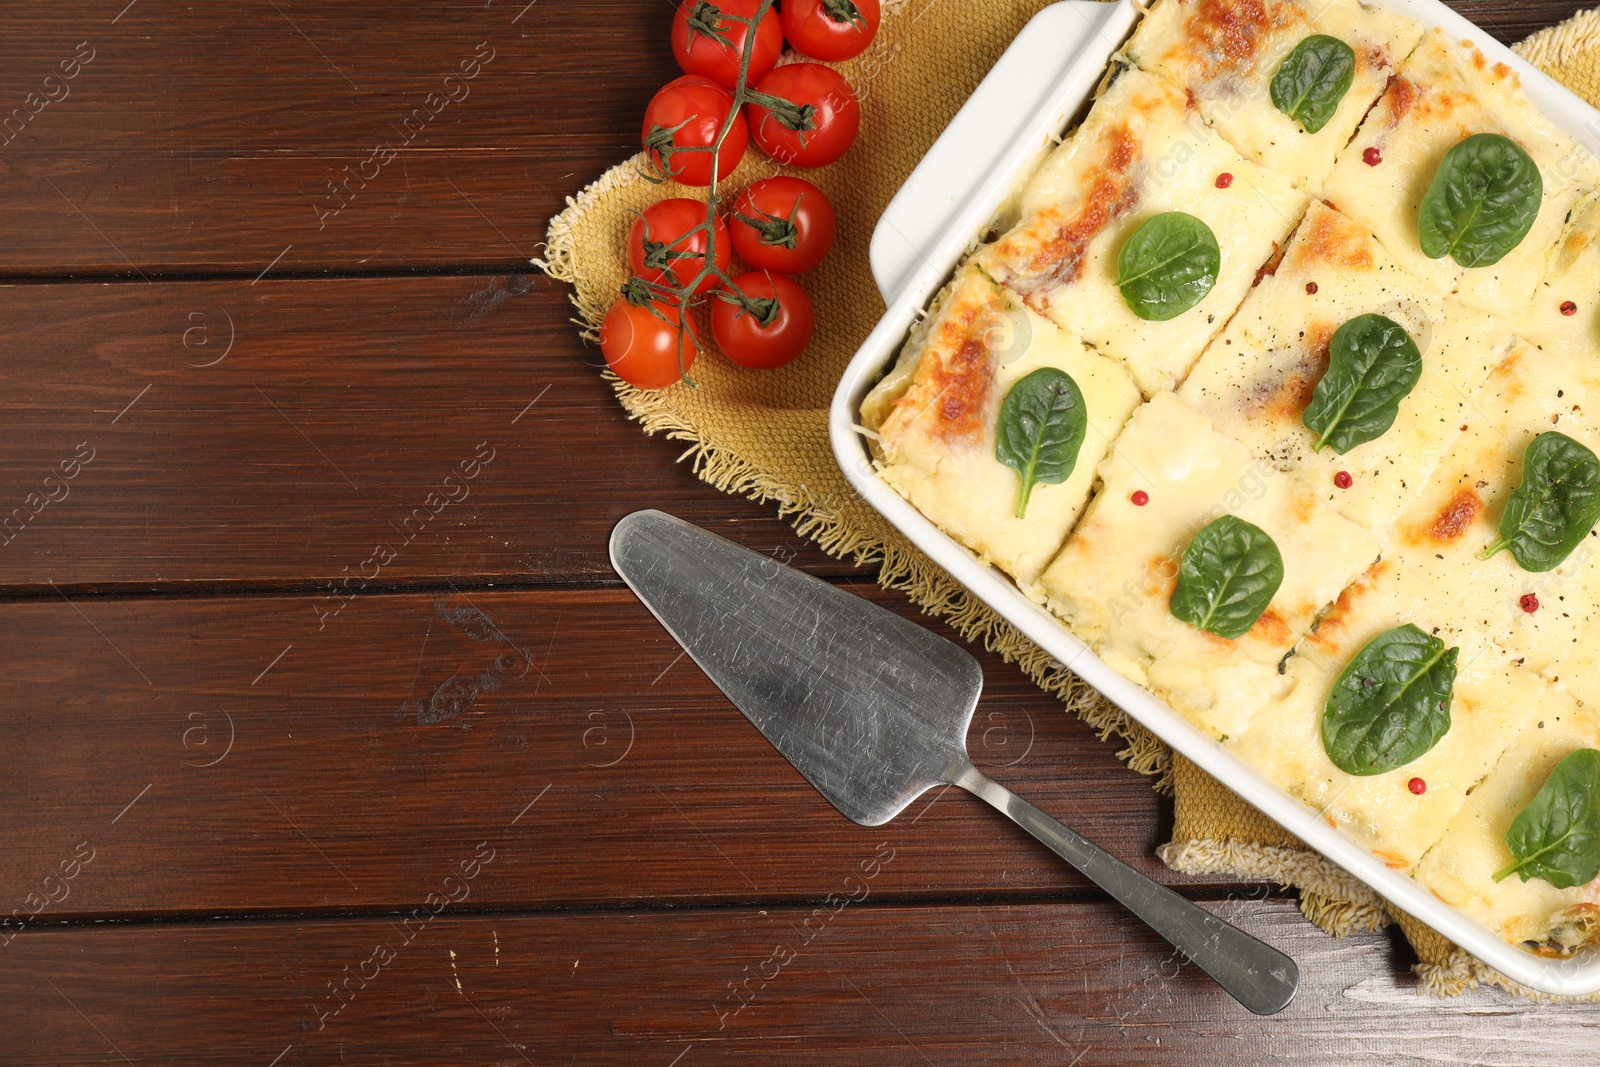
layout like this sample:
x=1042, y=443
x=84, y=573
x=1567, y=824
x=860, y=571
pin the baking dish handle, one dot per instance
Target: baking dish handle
x=978, y=152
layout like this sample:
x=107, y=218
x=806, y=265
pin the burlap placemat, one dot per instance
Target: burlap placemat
x=765, y=435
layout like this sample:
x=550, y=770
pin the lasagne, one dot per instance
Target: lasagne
x=1168, y=476
x=1257, y=379
x=1491, y=702
x=1565, y=312
x=1461, y=868
x=1328, y=287
x=1445, y=92
x=1143, y=150
x=1226, y=52
x=935, y=417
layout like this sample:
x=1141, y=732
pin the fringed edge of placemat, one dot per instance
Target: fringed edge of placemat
x=1558, y=45
x=1330, y=897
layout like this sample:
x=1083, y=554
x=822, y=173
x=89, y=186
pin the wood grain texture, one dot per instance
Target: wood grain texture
x=217, y=137
x=276, y=433
x=1067, y=983
x=317, y=770
x=274, y=766
x=210, y=136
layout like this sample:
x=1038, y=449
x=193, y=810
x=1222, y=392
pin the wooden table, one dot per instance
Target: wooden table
x=331, y=735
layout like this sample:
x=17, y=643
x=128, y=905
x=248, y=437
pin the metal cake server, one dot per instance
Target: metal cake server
x=873, y=710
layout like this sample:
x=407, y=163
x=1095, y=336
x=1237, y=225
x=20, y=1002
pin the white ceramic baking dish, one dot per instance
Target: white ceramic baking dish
x=1044, y=80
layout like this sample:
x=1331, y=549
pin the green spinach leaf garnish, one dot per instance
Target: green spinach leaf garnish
x=1168, y=266
x=1482, y=203
x=1312, y=79
x=1229, y=575
x=1391, y=704
x=1554, y=508
x=1373, y=364
x=1043, y=421
x=1557, y=836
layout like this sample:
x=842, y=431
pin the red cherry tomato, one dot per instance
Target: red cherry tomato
x=643, y=349
x=819, y=128
x=830, y=30
x=783, y=224
x=699, y=24
x=774, y=336
x=663, y=251
x=695, y=108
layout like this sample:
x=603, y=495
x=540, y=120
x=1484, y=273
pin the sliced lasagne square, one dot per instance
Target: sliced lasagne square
x=1493, y=608
x=935, y=414
x=1446, y=92
x=1565, y=314
x=1228, y=52
x=1142, y=151
x=1491, y=703
x=1168, y=476
x=1578, y=672
x=1256, y=380
x=1460, y=869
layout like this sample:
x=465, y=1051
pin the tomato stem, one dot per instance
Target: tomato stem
x=764, y=309
x=775, y=230
x=845, y=11
x=801, y=118
x=706, y=20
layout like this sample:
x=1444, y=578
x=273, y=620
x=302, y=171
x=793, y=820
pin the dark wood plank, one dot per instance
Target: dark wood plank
x=1068, y=983
x=213, y=135
x=1509, y=21
x=207, y=136
x=361, y=759
x=339, y=408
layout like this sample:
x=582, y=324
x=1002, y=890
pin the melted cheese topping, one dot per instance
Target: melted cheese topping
x=937, y=439
x=1113, y=580
x=1491, y=703
x=1444, y=93
x=1225, y=52
x=1460, y=869
x=1574, y=276
x=1431, y=577
x=1142, y=150
x=1436, y=569
x=1579, y=670
x=1256, y=380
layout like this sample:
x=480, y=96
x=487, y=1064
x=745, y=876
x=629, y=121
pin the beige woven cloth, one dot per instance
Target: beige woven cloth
x=765, y=434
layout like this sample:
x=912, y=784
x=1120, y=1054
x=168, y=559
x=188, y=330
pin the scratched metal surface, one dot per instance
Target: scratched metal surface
x=871, y=708
x=259, y=811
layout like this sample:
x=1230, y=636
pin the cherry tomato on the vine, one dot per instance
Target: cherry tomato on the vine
x=688, y=113
x=773, y=334
x=642, y=348
x=707, y=42
x=819, y=127
x=783, y=224
x=830, y=30
x=665, y=247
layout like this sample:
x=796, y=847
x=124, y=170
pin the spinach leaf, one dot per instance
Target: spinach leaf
x=1043, y=421
x=1313, y=79
x=1554, y=508
x=1168, y=266
x=1557, y=836
x=1391, y=704
x=1482, y=203
x=1373, y=364
x=1230, y=573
